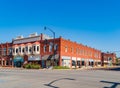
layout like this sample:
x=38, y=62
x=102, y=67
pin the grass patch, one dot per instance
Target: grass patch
x=61, y=67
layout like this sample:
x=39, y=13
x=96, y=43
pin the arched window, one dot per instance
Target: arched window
x=23, y=50
x=30, y=49
x=16, y=50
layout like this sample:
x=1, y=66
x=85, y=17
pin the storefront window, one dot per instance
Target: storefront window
x=83, y=63
x=73, y=63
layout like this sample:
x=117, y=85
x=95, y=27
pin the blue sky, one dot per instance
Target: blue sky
x=95, y=23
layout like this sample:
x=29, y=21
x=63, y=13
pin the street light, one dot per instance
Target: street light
x=46, y=28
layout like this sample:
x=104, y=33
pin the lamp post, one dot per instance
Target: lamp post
x=46, y=28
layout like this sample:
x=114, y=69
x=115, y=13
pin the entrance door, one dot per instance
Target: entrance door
x=18, y=64
x=18, y=61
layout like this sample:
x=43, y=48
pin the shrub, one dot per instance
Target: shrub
x=61, y=67
x=32, y=66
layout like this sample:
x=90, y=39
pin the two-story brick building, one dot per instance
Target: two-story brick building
x=46, y=51
x=108, y=59
x=6, y=54
x=68, y=53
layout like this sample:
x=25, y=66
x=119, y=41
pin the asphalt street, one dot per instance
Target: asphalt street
x=20, y=78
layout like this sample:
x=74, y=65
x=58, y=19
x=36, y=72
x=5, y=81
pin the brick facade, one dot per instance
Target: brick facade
x=6, y=54
x=48, y=52
x=108, y=59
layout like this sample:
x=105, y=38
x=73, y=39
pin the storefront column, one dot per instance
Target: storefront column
x=60, y=62
x=80, y=63
x=94, y=63
x=1, y=62
x=12, y=63
x=85, y=63
x=5, y=63
x=97, y=63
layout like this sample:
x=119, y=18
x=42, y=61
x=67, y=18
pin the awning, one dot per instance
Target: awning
x=34, y=58
x=18, y=58
x=83, y=59
x=91, y=60
x=50, y=57
x=45, y=57
x=74, y=58
x=78, y=59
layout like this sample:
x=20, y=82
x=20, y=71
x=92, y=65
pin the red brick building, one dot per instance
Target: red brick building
x=46, y=51
x=68, y=53
x=6, y=54
x=108, y=59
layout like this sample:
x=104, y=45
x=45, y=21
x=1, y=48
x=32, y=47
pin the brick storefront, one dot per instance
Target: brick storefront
x=48, y=52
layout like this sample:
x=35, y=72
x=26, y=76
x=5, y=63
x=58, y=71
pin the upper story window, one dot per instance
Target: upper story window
x=50, y=48
x=23, y=50
x=45, y=48
x=34, y=48
x=10, y=51
x=77, y=50
x=66, y=49
x=56, y=47
x=13, y=50
x=81, y=52
x=0, y=51
x=26, y=48
x=19, y=49
x=30, y=49
x=4, y=51
x=38, y=48
x=72, y=50
x=16, y=50
x=84, y=52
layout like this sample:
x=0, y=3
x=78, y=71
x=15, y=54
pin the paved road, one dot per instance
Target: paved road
x=19, y=78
